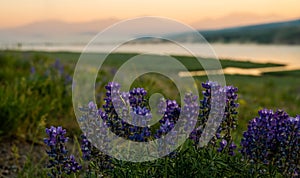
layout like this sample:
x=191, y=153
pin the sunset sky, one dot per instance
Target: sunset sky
x=19, y=12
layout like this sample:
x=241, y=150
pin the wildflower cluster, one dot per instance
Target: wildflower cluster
x=127, y=114
x=227, y=96
x=59, y=161
x=130, y=106
x=273, y=138
x=133, y=106
x=54, y=71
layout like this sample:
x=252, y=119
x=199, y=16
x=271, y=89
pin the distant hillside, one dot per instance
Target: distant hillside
x=287, y=32
x=53, y=31
x=60, y=32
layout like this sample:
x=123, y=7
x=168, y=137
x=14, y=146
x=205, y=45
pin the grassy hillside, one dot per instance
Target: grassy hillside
x=29, y=71
x=36, y=92
x=287, y=32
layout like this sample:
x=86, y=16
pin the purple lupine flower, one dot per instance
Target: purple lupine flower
x=273, y=138
x=164, y=128
x=68, y=79
x=223, y=144
x=56, y=140
x=91, y=105
x=140, y=116
x=86, y=148
x=222, y=94
x=190, y=111
x=32, y=70
x=71, y=166
x=232, y=148
x=170, y=116
x=58, y=158
x=58, y=66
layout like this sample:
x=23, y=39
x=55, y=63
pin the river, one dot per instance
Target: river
x=282, y=54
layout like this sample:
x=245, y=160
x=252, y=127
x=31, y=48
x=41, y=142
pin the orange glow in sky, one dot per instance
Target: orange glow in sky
x=20, y=12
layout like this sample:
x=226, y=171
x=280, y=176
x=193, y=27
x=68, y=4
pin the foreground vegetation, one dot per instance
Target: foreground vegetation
x=35, y=92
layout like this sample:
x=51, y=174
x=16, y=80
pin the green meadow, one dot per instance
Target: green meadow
x=36, y=92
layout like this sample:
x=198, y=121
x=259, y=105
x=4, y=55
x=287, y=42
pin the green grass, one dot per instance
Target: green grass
x=116, y=59
x=283, y=73
x=273, y=90
x=30, y=102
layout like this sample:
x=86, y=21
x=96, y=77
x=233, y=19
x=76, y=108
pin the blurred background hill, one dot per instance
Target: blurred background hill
x=284, y=32
x=54, y=31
